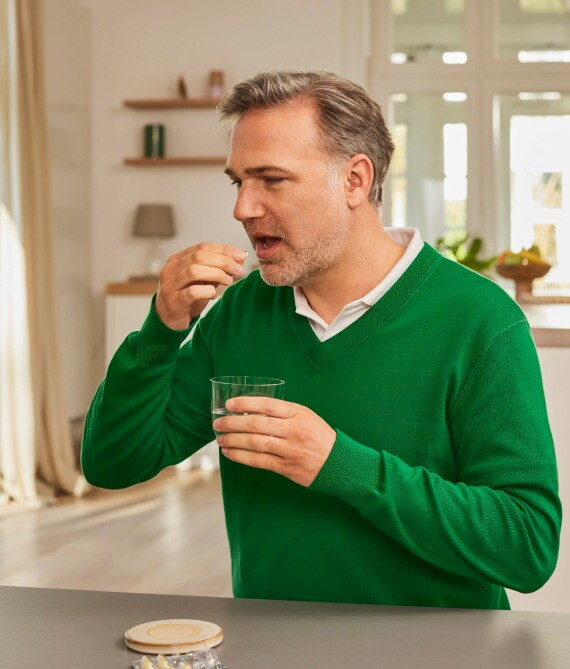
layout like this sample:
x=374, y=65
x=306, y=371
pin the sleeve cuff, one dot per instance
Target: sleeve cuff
x=351, y=472
x=156, y=343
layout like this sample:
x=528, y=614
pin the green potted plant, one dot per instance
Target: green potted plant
x=465, y=249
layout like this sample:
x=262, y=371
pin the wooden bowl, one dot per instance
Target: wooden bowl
x=528, y=272
x=523, y=276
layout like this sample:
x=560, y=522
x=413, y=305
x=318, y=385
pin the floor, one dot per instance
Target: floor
x=163, y=536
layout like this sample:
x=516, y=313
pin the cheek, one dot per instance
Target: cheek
x=303, y=214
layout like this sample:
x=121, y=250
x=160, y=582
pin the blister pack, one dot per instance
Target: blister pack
x=198, y=659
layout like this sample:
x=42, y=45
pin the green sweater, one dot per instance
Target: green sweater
x=441, y=487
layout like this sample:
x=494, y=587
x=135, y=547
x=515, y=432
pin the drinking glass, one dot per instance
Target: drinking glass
x=225, y=387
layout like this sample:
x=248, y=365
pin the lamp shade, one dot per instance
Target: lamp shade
x=154, y=220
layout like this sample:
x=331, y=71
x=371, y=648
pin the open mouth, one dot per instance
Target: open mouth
x=266, y=246
x=268, y=242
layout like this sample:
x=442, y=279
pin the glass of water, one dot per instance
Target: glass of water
x=225, y=387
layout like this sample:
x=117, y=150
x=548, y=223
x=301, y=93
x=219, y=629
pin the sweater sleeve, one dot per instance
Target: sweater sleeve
x=136, y=426
x=500, y=520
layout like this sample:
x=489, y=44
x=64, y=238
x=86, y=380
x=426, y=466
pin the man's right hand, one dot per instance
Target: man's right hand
x=189, y=280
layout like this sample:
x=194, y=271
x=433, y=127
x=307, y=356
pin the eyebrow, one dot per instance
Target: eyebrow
x=260, y=170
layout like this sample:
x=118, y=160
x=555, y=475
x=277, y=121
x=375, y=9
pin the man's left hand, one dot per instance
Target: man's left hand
x=279, y=436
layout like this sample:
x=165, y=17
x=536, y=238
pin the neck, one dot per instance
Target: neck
x=368, y=257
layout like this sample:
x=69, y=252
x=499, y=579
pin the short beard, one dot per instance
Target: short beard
x=307, y=262
x=310, y=261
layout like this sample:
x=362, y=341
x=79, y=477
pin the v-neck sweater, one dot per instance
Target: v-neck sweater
x=411, y=240
x=441, y=487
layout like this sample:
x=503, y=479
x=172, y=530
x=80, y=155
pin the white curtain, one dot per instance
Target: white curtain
x=17, y=453
x=36, y=454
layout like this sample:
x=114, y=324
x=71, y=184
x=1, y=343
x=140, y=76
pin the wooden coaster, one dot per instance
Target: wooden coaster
x=174, y=636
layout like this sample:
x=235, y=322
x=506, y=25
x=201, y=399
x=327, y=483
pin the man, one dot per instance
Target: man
x=411, y=461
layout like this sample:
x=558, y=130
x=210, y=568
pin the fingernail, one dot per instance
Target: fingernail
x=239, y=269
x=225, y=451
x=217, y=422
x=240, y=254
x=229, y=405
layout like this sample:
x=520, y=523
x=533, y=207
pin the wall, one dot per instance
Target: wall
x=99, y=52
x=68, y=96
x=140, y=47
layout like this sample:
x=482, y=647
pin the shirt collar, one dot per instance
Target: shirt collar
x=408, y=237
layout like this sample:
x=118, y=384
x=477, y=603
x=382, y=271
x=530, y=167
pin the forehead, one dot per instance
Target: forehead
x=289, y=131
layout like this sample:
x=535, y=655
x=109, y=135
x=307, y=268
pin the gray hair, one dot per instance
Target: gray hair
x=349, y=120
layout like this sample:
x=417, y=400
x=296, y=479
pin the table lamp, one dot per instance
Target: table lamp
x=154, y=221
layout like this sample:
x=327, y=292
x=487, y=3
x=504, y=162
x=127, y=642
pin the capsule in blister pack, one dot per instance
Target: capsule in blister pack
x=198, y=659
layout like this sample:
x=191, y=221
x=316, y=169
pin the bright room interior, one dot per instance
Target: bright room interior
x=478, y=98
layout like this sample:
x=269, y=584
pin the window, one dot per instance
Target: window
x=399, y=181
x=429, y=170
x=455, y=176
x=535, y=185
x=428, y=31
x=481, y=121
x=533, y=31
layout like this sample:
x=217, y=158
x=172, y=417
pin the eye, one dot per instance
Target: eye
x=236, y=182
x=273, y=181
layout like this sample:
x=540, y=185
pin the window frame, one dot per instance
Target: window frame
x=483, y=77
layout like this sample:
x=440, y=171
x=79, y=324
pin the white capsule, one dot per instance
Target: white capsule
x=163, y=663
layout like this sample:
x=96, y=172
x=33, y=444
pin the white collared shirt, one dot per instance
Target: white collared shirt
x=408, y=237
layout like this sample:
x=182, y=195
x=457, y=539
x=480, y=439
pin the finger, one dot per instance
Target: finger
x=254, y=459
x=252, y=423
x=270, y=406
x=216, y=254
x=187, y=264
x=202, y=274
x=210, y=247
x=198, y=292
x=227, y=263
x=261, y=443
x=179, y=294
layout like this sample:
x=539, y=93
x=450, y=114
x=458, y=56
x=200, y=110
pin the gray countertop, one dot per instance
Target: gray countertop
x=85, y=629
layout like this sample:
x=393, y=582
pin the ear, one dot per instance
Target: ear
x=358, y=176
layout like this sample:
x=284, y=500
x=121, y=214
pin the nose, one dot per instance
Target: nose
x=248, y=204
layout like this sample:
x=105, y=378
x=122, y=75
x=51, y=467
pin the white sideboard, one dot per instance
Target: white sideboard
x=124, y=313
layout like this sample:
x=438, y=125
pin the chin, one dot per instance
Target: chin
x=276, y=275
x=273, y=275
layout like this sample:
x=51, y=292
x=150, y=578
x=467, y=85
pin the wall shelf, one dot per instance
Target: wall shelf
x=171, y=103
x=175, y=161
